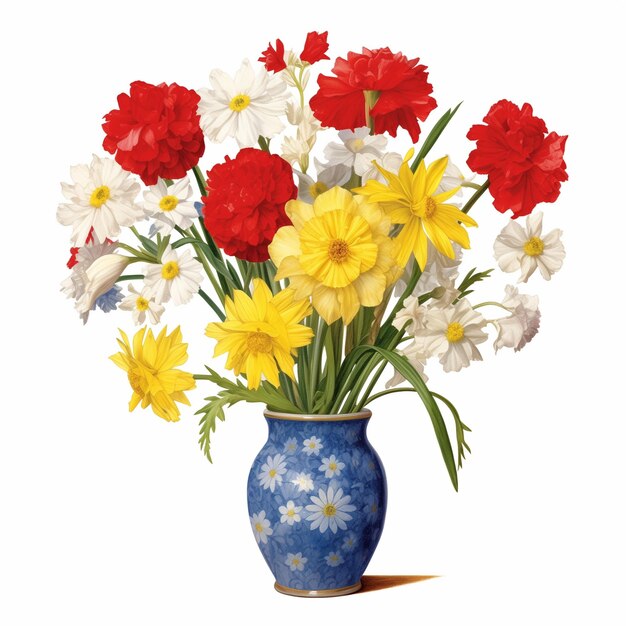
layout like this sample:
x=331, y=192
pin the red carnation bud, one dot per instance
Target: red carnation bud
x=523, y=161
x=274, y=59
x=156, y=131
x=245, y=202
x=315, y=47
x=402, y=86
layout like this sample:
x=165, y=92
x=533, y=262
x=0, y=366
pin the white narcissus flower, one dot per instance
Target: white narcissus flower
x=452, y=333
x=100, y=276
x=142, y=304
x=518, y=248
x=244, y=107
x=519, y=328
x=178, y=278
x=169, y=206
x=354, y=143
x=101, y=197
x=297, y=149
x=327, y=178
x=365, y=165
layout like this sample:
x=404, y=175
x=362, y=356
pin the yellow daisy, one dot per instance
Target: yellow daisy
x=261, y=333
x=411, y=199
x=338, y=251
x=152, y=374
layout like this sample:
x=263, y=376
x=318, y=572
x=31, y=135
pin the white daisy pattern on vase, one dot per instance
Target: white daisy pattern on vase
x=170, y=206
x=350, y=542
x=245, y=106
x=261, y=527
x=101, y=197
x=296, y=562
x=312, y=445
x=272, y=471
x=333, y=559
x=330, y=509
x=303, y=482
x=524, y=249
x=371, y=509
x=290, y=513
x=291, y=445
x=177, y=277
x=331, y=466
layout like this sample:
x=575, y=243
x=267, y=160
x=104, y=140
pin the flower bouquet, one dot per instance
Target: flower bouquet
x=317, y=276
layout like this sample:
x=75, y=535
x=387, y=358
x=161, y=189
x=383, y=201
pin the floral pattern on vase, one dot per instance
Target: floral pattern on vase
x=317, y=496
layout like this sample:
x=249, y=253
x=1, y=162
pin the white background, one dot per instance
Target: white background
x=116, y=518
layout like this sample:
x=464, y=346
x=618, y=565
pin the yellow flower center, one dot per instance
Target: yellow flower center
x=317, y=188
x=239, y=102
x=272, y=473
x=168, y=203
x=332, y=466
x=330, y=510
x=170, y=270
x=99, y=196
x=338, y=250
x=533, y=247
x=374, y=508
x=312, y=445
x=291, y=512
x=430, y=206
x=334, y=558
x=455, y=332
x=296, y=562
x=259, y=342
x=142, y=304
x=356, y=144
x=258, y=527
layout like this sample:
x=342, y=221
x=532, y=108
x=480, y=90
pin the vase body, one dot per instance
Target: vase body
x=317, y=496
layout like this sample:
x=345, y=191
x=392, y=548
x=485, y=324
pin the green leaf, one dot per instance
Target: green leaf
x=471, y=278
x=211, y=412
x=441, y=432
x=461, y=429
x=434, y=134
x=149, y=246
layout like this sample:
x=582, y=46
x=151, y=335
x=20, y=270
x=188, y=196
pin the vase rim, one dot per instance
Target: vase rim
x=302, y=417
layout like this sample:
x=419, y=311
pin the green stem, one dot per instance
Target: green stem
x=490, y=303
x=386, y=392
x=371, y=98
x=212, y=304
x=131, y=277
x=139, y=256
x=319, y=328
x=475, y=197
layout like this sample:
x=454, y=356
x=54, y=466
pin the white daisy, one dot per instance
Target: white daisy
x=350, y=542
x=142, y=304
x=178, y=278
x=290, y=513
x=327, y=178
x=291, y=445
x=244, y=107
x=313, y=445
x=261, y=527
x=296, y=561
x=518, y=248
x=330, y=509
x=352, y=144
x=303, y=482
x=365, y=166
x=331, y=466
x=99, y=278
x=170, y=206
x=333, y=559
x=519, y=328
x=272, y=471
x=101, y=197
x=452, y=333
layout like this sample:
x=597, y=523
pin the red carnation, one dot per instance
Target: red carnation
x=274, y=59
x=315, y=47
x=245, y=202
x=156, y=131
x=523, y=161
x=402, y=86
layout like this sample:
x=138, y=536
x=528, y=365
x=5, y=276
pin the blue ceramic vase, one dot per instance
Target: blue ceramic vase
x=317, y=497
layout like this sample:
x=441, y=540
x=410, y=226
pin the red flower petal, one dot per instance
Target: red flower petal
x=315, y=47
x=274, y=59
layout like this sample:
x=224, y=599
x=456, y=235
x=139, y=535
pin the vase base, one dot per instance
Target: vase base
x=318, y=593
